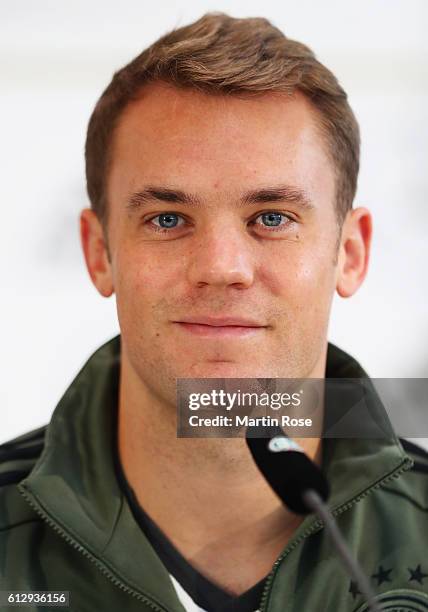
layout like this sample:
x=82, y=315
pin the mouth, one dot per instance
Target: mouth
x=212, y=327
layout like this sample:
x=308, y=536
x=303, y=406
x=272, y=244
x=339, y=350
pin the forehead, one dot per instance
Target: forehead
x=181, y=134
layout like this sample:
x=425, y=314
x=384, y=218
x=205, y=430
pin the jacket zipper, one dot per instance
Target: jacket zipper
x=104, y=570
x=317, y=525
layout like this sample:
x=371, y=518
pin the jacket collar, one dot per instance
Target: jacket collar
x=74, y=484
x=355, y=465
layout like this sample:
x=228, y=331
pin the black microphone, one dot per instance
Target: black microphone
x=286, y=467
x=303, y=488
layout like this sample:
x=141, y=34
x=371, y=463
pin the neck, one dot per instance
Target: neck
x=206, y=495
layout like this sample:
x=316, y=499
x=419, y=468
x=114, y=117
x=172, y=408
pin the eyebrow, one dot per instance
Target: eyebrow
x=282, y=193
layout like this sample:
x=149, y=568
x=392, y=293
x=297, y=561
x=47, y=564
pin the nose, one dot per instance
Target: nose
x=221, y=256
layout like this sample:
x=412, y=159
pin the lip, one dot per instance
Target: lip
x=220, y=321
x=211, y=327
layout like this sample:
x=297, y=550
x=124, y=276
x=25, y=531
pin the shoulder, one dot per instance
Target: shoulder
x=17, y=459
x=419, y=456
x=412, y=486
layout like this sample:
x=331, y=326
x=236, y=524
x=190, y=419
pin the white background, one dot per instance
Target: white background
x=57, y=57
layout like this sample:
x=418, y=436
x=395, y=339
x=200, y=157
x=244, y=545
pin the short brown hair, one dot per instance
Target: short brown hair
x=222, y=55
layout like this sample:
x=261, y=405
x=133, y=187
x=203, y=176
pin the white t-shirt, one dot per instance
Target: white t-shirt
x=184, y=597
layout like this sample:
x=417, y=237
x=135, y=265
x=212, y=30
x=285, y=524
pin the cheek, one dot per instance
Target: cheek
x=302, y=279
x=142, y=280
x=145, y=271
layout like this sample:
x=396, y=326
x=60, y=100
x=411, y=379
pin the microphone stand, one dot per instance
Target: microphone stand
x=303, y=488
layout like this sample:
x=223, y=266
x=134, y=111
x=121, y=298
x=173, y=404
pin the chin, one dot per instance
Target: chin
x=225, y=369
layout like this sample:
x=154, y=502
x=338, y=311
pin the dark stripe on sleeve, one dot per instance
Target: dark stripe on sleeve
x=12, y=477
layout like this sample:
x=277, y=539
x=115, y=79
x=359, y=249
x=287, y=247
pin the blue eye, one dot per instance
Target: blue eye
x=272, y=219
x=167, y=220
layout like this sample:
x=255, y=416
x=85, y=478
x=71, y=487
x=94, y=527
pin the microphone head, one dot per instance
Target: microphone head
x=287, y=469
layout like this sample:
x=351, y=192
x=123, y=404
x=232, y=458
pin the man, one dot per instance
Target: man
x=221, y=167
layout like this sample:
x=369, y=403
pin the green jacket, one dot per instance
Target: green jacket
x=65, y=524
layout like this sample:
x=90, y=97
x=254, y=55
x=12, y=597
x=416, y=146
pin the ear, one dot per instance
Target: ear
x=354, y=251
x=95, y=251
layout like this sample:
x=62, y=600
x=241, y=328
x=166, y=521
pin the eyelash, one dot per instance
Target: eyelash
x=164, y=230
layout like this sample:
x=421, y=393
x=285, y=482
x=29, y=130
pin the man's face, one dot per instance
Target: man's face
x=221, y=212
